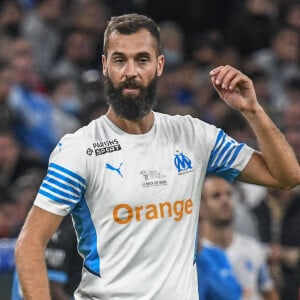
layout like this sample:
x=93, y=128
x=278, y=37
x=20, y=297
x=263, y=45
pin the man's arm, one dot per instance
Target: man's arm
x=29, y=253
x=276, y=164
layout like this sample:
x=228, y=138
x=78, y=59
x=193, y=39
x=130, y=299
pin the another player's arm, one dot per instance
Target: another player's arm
x=30, y=253
x=57, y=291
x=270, y=295
x=276, y=164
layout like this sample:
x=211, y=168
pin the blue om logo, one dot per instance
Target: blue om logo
x=182, y=162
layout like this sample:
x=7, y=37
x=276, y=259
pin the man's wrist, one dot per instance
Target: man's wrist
x=253, y=112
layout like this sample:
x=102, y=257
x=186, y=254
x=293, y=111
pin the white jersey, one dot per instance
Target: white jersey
x=249, y=262
x=135, y=202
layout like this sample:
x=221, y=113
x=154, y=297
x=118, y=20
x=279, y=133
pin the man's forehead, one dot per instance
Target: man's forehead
x=140, y=41
x=216, y=184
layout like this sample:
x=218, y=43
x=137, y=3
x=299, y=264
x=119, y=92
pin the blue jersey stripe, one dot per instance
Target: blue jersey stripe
x=221, y=153
x=87, y=237
x=218, y=144
x=62, y=186
x=55, y=198
x=67, y=180
x=223, y=156
x=228, y=154
x=68, y=172
x=59, y=192
x=235, y=154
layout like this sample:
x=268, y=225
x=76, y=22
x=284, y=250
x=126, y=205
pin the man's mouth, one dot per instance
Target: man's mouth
x=130, y=89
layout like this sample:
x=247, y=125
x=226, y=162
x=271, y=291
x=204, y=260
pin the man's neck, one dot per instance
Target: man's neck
x=221, y=237
x=132, y=127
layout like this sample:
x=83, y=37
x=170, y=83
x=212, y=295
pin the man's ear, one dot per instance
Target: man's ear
x=160, y=64
x=104, y=65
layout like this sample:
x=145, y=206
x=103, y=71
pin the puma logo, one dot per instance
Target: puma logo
x=118, y=170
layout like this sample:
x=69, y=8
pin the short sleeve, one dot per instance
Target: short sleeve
x=65, y=183
x=228, y=157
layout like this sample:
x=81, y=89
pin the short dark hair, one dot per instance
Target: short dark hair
x=129, y=24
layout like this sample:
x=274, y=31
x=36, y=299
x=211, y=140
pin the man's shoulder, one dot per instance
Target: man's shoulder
x=180, y=120
x=250, y=244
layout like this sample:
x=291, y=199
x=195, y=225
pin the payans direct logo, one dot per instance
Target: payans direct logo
x=106, y=146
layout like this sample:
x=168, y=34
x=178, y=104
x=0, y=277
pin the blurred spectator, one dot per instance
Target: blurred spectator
x=262, y=83
x=6, y=116
x=39, y=123
x=79, y=51
x=172, y=44
x=280, y=61
x=6, y=46
x=8, y=214
x=24, y=65
x=186, y=84
x=237, y=127
x=7, y=259
x=13, y=161
x=65, y=93
x=246, y=254
x=23, y=192
x=278, y=217
x=90, y=16
x=291, y=115
x=252, y=29
x=216, y=279
x=293, y=88
x=11, y=16
x=41, y=26
x=246, y=196
x=91, y=87
x=291, y=120
x=204, y=49
x=290, y=13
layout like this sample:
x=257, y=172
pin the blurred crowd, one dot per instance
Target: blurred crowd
x=51, y=84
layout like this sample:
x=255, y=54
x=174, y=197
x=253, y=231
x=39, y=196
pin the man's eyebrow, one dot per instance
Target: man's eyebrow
x=144, y=53
x=118, y=54
x=139, y=54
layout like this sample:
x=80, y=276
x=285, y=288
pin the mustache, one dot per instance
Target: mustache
x=130, y=83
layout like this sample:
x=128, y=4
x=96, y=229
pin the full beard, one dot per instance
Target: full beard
x=131, y=107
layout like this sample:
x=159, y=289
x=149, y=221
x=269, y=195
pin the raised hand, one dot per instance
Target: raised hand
x=235, y=88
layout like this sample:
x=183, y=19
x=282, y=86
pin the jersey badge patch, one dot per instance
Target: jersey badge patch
x=182, y=163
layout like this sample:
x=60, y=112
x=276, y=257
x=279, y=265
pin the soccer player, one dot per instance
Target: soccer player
x=132, y=179
x=245, y=254
x=216, y=278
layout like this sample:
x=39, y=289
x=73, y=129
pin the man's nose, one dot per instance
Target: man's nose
x=130, y=70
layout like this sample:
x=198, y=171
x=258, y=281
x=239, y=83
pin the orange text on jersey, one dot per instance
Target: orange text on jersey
x=124, y=213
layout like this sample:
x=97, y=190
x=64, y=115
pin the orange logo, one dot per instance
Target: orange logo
x=124, y=213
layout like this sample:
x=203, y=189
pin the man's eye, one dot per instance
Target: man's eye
x=216, y=195
x=143, y=60
x=119, y=60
